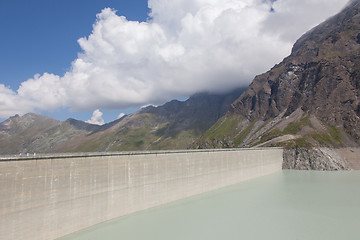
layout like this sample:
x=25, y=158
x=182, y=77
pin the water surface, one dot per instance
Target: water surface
x=284, y=205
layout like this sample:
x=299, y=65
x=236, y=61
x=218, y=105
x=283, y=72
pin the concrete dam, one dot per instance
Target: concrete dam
x=46, y=197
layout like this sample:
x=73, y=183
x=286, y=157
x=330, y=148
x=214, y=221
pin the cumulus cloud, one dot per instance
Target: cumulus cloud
x=11, y=103
x=186, y=46
x=96, y=118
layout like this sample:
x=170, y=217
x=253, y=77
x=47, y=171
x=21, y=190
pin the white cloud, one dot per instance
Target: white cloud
x=121, y=115
x=187, y=46
x=147, y=105
x=11, y=103
x=297, y=17
x=44, y=92
x=96, y=118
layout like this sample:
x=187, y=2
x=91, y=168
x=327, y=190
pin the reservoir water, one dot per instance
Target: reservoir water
x=284, y=205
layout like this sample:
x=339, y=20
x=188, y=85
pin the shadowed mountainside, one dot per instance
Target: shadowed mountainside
x=174, y=125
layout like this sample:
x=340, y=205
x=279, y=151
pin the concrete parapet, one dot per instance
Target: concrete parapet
x=45, y=197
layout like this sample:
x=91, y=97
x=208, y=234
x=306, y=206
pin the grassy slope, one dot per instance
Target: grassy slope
x=142, y=132
x=233, y=131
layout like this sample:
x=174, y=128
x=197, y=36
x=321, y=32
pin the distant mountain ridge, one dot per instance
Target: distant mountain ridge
x=174, y=125
x=171, y=126
x=36, y=133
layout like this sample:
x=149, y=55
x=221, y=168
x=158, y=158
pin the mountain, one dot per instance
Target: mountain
x=16, y=132
x=310, y=99
x=173, y=125
x=36, y=133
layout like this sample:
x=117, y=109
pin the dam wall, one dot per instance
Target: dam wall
x=46, y=197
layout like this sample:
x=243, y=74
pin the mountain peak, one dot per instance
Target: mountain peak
x=311, y=98
x=339, y=33
x=82, y=125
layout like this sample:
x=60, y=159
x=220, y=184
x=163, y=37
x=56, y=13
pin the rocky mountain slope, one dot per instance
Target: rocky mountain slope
x=310, y=99
x=174, y=125
x=36, y=133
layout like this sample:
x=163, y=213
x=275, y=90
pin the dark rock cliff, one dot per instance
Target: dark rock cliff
x=321, y=76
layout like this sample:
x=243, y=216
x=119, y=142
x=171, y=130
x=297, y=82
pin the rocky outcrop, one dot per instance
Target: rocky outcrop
x=323, y=159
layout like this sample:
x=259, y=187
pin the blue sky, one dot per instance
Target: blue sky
x=40, y=36
x=82, y=59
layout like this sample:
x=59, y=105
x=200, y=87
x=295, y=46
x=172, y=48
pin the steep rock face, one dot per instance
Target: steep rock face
x=310, y=99
x=321, y=76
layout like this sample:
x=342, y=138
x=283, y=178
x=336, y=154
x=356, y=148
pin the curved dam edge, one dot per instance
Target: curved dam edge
x=46, y=197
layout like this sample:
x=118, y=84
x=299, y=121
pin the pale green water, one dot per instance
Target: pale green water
x=285, y=205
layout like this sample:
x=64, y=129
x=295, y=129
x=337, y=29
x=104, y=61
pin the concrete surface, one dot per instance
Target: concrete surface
x=45, y=197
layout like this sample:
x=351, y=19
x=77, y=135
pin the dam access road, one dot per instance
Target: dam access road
x=46, y=197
